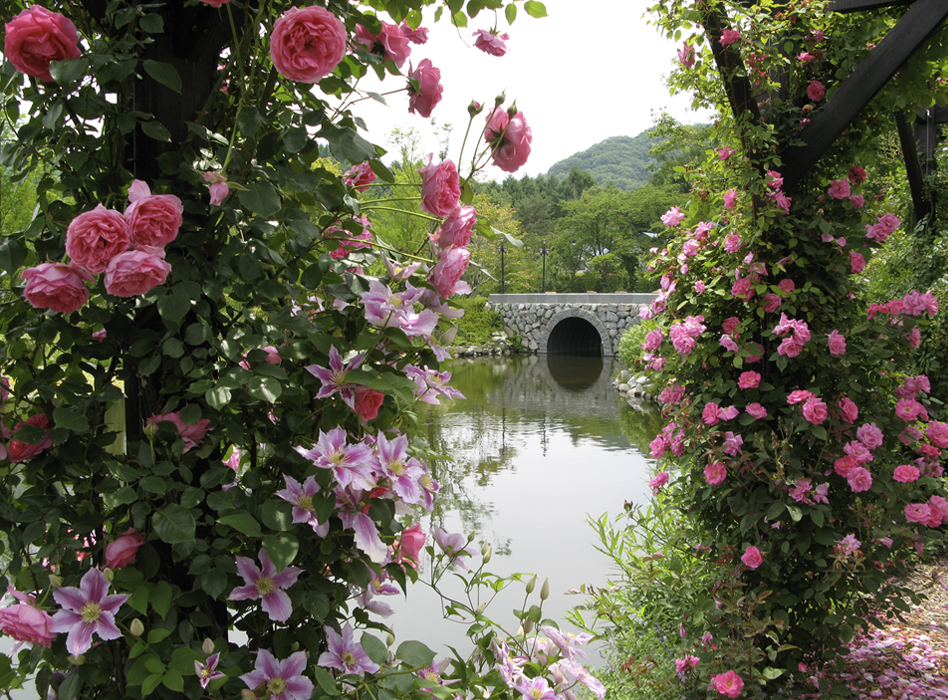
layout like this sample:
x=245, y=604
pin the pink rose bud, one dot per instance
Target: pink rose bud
x=122, y=551
x=412, y=542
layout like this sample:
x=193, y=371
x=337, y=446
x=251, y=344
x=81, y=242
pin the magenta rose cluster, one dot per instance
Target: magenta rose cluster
x=128, y=248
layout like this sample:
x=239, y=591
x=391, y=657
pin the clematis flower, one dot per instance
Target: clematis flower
x=86, y=610
x=345, y=654
x=454, y=545
x=301, y=497
x=333, y=378
x=281, y=680
x=207, y=671
x=350, y=464
x=266, y=585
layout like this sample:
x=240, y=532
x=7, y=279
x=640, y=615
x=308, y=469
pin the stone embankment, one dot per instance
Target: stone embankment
x=636, y=389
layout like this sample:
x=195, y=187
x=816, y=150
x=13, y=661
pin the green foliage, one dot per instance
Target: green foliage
x=621, y=161
x=630, y=344
x=477, y=324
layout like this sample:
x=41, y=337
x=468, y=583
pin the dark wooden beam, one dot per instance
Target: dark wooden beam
x=856, y=5
x=739, y=92
x=922, y=203
x=917, y=25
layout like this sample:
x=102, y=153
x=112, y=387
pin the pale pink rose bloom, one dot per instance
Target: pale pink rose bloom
x=427, y=95
x=752, y=557
x=218, y=188
x=135, y=272
x=510, y=139
x=154, y=220
x=56, y=286
x=814, y=410
x=849, y=409
x=308, y=43
x=25, y=622
x=918, y=513
x=95, y=237
x=937, y=434
x=446, y=274
x=858, y=201
x=906, y=473
x=121, y=551
x=870, y=435
x=860, y=479
x=490, y=43
x=839, y=189
x=857, y=262
x=837, y=343
x=729, y=36
x=391, y=44
x=672, y=217
x=749, y=380
x=732, y=243
x=441, y=187
x=815, y=90
x=192, y=435
x=729, y=198
x=416, y=36
x=715, y=473
x=772, y=302
x=36, y=37
x=756, y=410
x=686, y=56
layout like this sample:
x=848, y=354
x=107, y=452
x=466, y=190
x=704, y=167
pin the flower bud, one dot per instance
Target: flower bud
x=527, y=626
x=486, y=552
x=389, y=639
x=150, y=431
x=545, y=590
x=480, y=609
x=247, y=694
x=55, y=581
x=208, y=646
x=76, y=660
x=137, y=628
x=531, y=584
x=475, y=108
x=499, y=100
x=108, y=574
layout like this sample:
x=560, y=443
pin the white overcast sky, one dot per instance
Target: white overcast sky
x=590, y=70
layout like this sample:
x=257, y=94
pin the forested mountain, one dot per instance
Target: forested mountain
x=620, y=160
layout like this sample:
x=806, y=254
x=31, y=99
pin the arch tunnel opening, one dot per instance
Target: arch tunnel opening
x=574, y=336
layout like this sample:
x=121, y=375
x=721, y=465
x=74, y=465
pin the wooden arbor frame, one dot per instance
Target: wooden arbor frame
x=910, y=33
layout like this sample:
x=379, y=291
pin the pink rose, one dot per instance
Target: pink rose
x=837, y=343
x=22, y=451
x=36, y=37
x=656, y=483
x=857, y=174
x=367, y=402
x=456, y=230
x=416, y=36
x=715, y=473
x=849, y=409
x=729, y=36
x=906, y=473
x=215, y=3
x=772, y=302
x=95, y=237
x=814, y=410
x=446, y=274
x=857, y=262
x=749, y=380
x=192, y=435
x=423, y=98
x=752, y=557
x=56, y=286
x=490, y=43
x=510, y=138
x=918, y=513
x=308, y=43
x=686, y=56
x=858, y=201
x=729, y=684
x=121, y=552
x=391, y=44
x=135, y=272
x=218, y=188
x=359, y=176
x=839, y=189
x=756, y=410
x=815, y=90
x=441, y=189
x=730, y=197
x=859, y=478
x=25, y=622
x=154, y=220
x=937, y=434
x=412, y=541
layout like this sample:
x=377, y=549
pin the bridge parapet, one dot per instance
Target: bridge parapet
x=570, y=324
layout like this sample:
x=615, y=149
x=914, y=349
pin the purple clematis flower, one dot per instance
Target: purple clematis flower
x=350, y=464
x=266, y=585
x=87, y=609
x=344, y=654
x=282, y=680
x=301, y=496
x=454, y=545
x=404, y=472
x=334, y=378
x=207, y=671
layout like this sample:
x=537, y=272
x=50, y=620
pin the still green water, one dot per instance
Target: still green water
x=539, y=445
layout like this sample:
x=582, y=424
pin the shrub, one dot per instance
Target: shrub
x=478, y=324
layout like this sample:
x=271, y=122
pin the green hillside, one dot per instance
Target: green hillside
x=621, y=160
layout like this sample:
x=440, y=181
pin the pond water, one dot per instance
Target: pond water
x=539, y=445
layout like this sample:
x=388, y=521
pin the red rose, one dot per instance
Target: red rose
x=56, y=286
x=367, y=402
x=122, y=551
x=36, y=37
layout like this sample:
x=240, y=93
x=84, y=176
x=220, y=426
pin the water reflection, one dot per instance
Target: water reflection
x=537, y=446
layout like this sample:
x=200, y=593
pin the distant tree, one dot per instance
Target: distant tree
x=674, y=148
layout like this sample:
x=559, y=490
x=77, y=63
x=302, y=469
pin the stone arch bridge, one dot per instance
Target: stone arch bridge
x=569, y=324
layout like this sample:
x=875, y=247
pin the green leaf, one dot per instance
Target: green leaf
x=218, y=397
x=175, y=305
x=160, y=597
x=795, y=513
x=346, y=144
x=153, y=23
x=70, y=687
x=282, y=549
x=242, y=522
x=415, y=654
x=535, y=9
x=174, y=524
x=150, y=683
x=265, y=388
x=156, y=130
x=277, y=515
x=374, y=648
x=157, y=634
x=511, y=12
x=325, y=680
x=261, y=198
x=12, y=255
x=164, y=73
x=70, y=420
x=67, y=71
